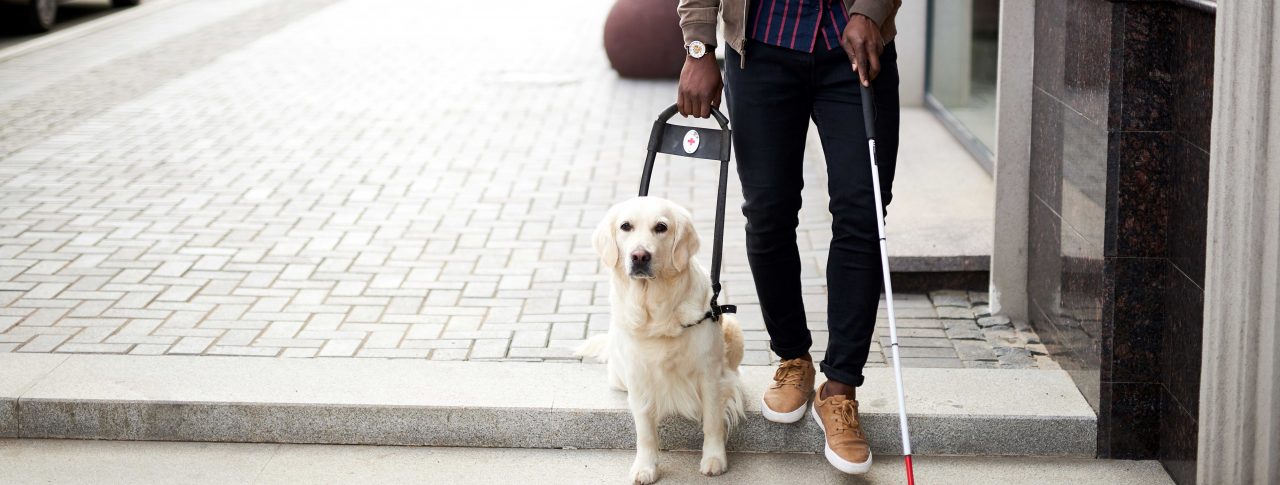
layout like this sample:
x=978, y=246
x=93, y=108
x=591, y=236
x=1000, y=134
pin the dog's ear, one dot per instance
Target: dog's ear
x=685, y=242
x=604, y=242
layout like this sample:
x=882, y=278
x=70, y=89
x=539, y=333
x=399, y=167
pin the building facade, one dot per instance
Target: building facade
x=1106, y=122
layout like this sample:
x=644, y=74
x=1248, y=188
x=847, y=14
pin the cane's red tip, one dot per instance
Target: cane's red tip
x=911, y=475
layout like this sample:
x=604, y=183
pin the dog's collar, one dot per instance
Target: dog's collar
x=713, y=314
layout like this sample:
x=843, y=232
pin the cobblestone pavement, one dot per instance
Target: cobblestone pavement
x=362, y=178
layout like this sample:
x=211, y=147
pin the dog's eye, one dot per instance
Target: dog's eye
x=660, y=228
x=626, y=227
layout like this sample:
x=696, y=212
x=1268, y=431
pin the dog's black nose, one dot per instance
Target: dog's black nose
x=640, y=256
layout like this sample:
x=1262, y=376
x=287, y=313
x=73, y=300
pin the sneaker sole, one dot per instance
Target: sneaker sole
x=835, y=460
x=785, y=418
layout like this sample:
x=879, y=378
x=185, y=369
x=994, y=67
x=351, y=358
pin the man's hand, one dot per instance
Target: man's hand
x=700, y=86
x=863, y=43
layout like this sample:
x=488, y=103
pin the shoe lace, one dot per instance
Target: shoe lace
x=791, y=372
x=846, y=417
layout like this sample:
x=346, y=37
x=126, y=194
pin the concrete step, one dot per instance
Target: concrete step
x=941, y=221
x=497, y=404
x=109, y=462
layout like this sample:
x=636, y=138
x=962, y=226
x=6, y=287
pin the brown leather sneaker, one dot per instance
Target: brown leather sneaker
x=785, y=401
x=847, y=447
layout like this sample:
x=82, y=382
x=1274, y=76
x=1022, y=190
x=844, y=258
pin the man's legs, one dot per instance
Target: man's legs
x=854, y=279
x=770, y=103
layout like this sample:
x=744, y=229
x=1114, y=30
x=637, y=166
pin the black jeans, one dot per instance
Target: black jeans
x=772, y=100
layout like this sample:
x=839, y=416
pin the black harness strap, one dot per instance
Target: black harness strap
x=713, y=315
x=705, y=144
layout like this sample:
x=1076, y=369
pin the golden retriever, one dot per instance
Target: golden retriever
x=659, y=348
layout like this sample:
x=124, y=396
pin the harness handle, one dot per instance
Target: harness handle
x=710, y=144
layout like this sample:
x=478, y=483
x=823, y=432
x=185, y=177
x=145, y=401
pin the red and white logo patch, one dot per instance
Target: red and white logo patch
x=691, y=141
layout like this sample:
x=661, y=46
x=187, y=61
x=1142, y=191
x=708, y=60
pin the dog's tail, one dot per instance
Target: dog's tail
x=596, y=347
x=733, y=341
x=733, y=350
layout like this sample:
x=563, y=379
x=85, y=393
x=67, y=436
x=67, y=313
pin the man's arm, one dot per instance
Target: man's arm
x=700, y=83
x=862, y=39
x=698, y=20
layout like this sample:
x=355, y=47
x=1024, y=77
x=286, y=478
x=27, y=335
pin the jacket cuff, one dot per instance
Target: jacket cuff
x=876, y=10
x=699, y=24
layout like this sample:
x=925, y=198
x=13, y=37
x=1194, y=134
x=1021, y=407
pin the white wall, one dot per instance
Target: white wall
x=1240, y=365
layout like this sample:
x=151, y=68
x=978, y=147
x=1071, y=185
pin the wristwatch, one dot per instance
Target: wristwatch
x=696, y=49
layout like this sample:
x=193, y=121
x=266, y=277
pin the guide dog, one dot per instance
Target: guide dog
x=663, y=347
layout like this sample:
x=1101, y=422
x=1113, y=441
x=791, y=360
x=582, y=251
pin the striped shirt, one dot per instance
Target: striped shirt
x=797, y=24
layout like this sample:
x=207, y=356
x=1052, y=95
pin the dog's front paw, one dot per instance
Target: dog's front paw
x=713, y=465
x=644, y=474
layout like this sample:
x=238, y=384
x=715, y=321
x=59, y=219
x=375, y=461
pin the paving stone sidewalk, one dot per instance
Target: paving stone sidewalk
x=322, y=179
x=946, y=328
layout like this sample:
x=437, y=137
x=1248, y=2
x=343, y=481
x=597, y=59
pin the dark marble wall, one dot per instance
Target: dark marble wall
x=1119, y=151
x=1192, y=107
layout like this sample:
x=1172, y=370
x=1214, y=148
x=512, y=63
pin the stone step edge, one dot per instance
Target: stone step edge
x=939, y=264
x=500, y=404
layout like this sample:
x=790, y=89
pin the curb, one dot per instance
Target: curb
x=939, y=264
x=929, y=273
x=499, y=404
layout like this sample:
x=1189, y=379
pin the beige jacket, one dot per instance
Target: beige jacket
x=698, y=19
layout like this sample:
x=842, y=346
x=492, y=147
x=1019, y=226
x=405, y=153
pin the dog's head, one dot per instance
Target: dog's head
x=646, y=237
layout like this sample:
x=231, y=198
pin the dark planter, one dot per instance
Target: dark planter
x=642, y=39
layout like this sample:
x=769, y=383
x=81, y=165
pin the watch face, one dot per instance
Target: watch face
x=697, y=49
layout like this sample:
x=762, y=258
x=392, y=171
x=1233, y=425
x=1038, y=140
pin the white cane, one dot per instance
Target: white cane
x=869, y=121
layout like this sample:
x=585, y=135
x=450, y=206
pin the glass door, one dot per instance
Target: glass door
x=960, y=77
